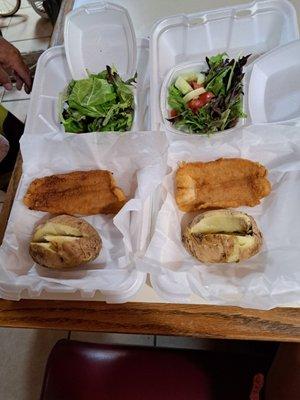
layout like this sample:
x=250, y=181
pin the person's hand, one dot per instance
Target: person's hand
x=12, y=64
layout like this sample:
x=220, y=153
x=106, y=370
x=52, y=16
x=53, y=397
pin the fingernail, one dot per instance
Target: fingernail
x=8, y=86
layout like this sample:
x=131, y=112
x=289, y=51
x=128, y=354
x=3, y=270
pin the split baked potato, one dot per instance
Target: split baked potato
x=222, y=236
x=64, y=242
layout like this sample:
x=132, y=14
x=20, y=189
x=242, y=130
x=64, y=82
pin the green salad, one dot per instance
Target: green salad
x=210, y=101
x=102, y=102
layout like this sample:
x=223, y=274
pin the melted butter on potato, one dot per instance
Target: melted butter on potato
x=218, y=222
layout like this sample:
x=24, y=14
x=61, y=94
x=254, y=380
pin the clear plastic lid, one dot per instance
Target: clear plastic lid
x=100, y=34
x=274, y=87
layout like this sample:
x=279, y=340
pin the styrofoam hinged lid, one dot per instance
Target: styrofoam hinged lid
x=274, y=88
x=100, y=34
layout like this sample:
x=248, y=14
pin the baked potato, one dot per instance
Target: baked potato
x=222, y=236
x=64, y=242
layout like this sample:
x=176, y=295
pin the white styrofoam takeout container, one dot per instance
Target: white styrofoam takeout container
x=52, y=76
x=272, y=277
x=113, y=273
x=182, y=40
x=180, y=44
x=185, y=40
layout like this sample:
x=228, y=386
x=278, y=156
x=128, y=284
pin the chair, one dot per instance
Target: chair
x=86, y=371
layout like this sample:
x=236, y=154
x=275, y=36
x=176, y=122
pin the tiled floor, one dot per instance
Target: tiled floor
x=26, y=25
x=17, y=107
x=24, y=354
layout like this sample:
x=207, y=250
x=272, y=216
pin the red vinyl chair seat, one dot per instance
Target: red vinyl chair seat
x=86, y=371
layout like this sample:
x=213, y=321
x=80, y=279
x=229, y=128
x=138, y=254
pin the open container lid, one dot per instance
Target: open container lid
x=274, y=87
x=100, y=34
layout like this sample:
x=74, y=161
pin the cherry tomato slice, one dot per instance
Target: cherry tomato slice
x=203, y=99
x=173, y=113
x=194, y=105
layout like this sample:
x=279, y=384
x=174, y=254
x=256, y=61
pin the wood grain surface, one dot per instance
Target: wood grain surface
x=164, y=319
x=281, y=324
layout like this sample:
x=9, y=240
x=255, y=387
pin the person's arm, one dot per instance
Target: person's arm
x=11, y=63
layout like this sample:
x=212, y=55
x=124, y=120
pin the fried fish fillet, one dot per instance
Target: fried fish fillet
x=79, y=192
x=223, y=183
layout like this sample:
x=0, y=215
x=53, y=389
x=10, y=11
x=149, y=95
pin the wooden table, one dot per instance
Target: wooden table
x=281, y=324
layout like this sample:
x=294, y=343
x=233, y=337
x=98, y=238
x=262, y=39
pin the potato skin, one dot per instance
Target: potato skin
x=61, y=251
x=219, y=247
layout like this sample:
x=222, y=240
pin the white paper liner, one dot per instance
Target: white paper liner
x=271, y=278
x=137, y=161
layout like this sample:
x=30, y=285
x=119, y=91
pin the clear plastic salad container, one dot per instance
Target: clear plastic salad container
x=190, y=68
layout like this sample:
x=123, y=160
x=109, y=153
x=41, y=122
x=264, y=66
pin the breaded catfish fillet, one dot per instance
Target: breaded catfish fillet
x=79, y=192
x=223, y=183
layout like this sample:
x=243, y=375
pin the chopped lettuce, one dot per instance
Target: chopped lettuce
x=102, y=102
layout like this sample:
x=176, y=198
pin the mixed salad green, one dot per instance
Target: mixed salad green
x=102, y=102
x=209, y=101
